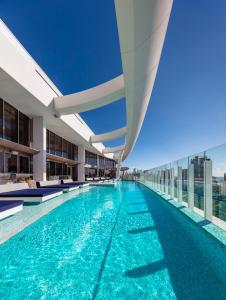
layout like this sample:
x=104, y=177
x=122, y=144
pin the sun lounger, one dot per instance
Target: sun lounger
x=32, y=195
x=56, y=185
x=9, y=208
x=74, y=183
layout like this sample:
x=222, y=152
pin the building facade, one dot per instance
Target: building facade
x=35, y=142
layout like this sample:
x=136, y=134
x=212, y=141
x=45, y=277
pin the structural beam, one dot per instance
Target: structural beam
x=98, y=96
x=113, y=149
x=108, y=136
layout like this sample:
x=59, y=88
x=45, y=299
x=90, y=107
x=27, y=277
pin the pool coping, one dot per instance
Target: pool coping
x=14, y=224
x=213, y=230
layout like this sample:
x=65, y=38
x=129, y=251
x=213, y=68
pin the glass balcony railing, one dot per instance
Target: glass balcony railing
x=198, y=181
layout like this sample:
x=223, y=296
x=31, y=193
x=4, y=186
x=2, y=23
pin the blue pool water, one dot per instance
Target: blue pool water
x=113, y=243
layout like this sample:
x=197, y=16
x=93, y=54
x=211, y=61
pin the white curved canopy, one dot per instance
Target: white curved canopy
x=142, y=26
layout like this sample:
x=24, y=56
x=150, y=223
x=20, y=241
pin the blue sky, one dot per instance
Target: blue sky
x=76, y=43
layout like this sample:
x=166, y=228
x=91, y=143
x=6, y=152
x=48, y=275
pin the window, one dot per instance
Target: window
x=58, y=169
x=58, y=145
x=1, y=162
x=24, y=164
x=65, y=150
x=24, y=130
x=51, y=143
x=52, y=170
x=47, y=141
x=70, y=151
x=1, y=118
x=10, y=123
x=10, y=163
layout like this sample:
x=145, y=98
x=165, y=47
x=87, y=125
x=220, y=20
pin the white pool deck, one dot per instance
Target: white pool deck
x=31, y=213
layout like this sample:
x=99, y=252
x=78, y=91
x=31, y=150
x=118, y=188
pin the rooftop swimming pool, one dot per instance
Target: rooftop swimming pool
x=113, y=243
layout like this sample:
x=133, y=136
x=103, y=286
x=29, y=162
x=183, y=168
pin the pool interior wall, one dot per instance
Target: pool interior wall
x=113, y=243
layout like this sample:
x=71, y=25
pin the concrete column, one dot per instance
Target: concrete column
x=81, y=159
x=172, y=183
x=179, y=184
x=39, y=143
x=191, y=186
x=208, y=201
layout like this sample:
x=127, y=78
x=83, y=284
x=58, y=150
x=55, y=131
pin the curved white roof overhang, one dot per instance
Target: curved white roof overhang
x=142, y=28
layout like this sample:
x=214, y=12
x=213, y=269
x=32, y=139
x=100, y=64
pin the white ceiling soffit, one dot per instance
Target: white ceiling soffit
x=142, y=26
x=95, y=97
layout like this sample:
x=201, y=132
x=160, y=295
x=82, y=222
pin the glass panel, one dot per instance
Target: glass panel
x=1, y=162
x=70, y=150
x=52, y=169
x=198, y=162
x=10, y=163
x=47, y=141
x=1, y=118
x=24, y=130
x=218, y=157
x=65, y=149
x=10, y=123
x=51, y=143
x=183, y=163
x=24, y=164
x=58, y=145
x=58, y=169
x=64, y=169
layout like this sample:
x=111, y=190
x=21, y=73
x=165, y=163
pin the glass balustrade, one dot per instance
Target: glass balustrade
x=198, y=181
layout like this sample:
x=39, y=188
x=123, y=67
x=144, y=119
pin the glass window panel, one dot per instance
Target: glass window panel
x=65, y=149
x=52, y=168
x=24, y=130
x=47, y=141
x=58, y=169
x=51, y=143
x=64, y=169
x=58, y=145
x=10, y=163
x=1, y=162
x=10, y=123
x=24, y=164
x=1, y=118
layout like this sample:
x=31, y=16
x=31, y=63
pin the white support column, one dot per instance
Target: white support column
x=81, y=159
x=39, y=143
x=179, y=184
x=208, y=201
x=172, y=183
x=191, y=186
